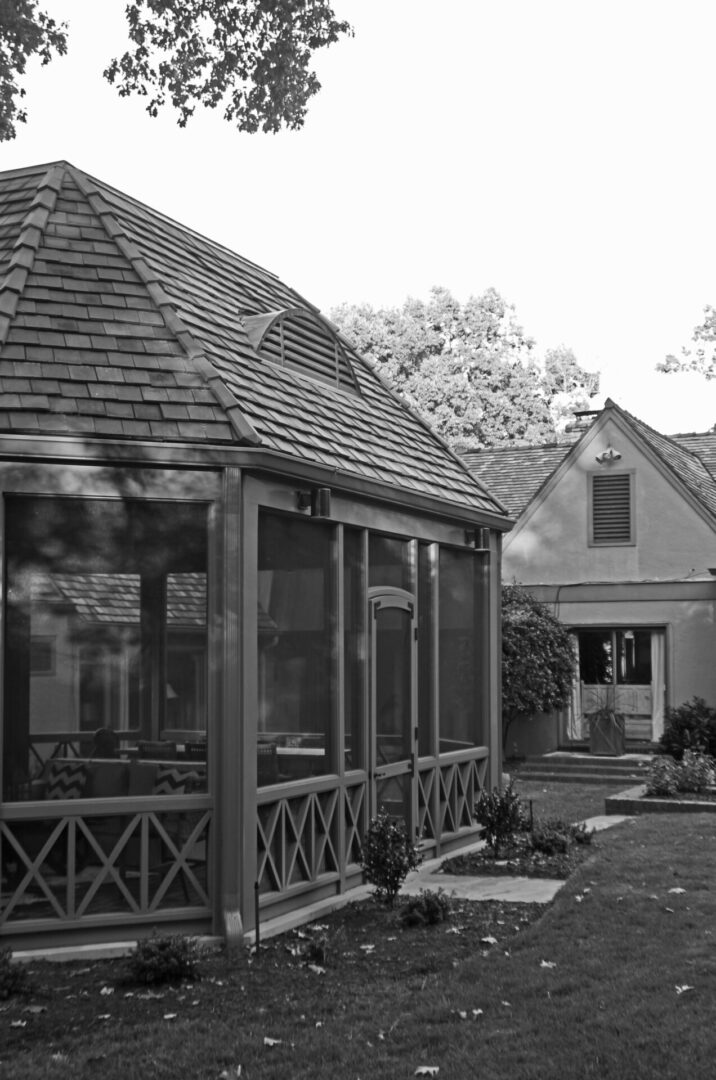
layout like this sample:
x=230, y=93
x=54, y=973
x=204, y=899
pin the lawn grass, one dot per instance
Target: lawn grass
x=569, y=801
x=585, y=987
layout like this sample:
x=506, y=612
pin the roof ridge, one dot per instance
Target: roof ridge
x=27, y=244
x=701, y=486
x=165, y=306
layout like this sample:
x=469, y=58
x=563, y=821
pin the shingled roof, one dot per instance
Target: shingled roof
x=118, y=323
x=514, y=474
x=517, y=474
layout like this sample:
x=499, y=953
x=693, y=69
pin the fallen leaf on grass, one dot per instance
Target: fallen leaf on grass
x=268, y=1041
x=683, y=989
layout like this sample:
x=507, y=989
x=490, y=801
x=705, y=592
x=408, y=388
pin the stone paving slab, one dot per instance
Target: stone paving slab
x=517, y=890
x=605, y=821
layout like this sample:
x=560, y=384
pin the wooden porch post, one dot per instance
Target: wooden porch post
x=232, y=767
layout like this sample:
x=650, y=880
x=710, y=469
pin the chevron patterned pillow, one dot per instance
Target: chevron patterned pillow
x=173, y=781
x=66, y=780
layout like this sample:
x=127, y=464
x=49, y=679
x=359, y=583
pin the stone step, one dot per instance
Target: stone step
x=545, y=765
x=602, y=777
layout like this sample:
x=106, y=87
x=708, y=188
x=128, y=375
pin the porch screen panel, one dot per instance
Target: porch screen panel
x=297, y=658
x=459, y=643
x=426, y=662
x=105, y=645
x=354, y=613
x=389, y=562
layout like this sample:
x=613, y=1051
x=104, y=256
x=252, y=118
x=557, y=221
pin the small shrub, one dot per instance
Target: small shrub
x=388, y=856
x=662, y=777
x=426, y=909
x=550, y=837
x=691, y=726
x=502, y=814
x=694, y=772
x=13, y=976
x=553, y=836
x=580, y=833
x=163, y=959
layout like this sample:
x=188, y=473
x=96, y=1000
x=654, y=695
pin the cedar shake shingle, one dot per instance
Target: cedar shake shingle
x=117, y=322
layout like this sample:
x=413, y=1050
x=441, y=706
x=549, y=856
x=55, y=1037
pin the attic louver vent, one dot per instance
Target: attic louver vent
x=296, y=339
x=612, y=509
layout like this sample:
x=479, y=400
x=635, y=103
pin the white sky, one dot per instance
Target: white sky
x=562, y=152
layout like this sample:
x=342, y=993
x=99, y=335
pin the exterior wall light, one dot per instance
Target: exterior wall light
x=610, y=454
x=318, y=501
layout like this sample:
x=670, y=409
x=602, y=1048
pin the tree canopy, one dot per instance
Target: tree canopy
x=469, y=369
x=538, y=658
x=702, y=358
x=24, y=32
x=249, y=57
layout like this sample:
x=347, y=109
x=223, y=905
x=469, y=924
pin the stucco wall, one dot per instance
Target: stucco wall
x=550, y=543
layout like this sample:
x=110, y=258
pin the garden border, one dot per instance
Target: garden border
x=632, y=801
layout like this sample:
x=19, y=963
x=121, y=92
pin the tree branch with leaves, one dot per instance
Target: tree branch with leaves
x=701, y=359
x=25, y=32
x=249, y=57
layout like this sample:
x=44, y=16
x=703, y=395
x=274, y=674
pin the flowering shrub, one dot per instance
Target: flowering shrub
x=662, y=778
x=690, y=726
x=694, y=772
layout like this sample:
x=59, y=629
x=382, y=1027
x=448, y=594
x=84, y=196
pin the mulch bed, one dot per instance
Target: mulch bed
x=66, y=1002
x=517, y=859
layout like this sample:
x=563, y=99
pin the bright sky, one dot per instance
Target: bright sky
x=562, y=152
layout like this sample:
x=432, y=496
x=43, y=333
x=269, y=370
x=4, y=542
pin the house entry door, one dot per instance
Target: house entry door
x=393, y=695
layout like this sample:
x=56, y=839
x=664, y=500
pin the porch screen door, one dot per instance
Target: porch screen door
x=393, y=704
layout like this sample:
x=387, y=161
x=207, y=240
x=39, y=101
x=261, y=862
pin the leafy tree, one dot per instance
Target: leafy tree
x=24, y=32
x=702, y=359
x=567, y=385
x=537, y=658
x=251, y=57
x=469, y=369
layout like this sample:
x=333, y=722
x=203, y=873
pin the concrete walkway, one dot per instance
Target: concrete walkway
x=516, y=889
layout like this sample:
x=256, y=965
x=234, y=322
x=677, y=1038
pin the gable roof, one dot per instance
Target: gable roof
x=514, y=474
x=518, y=474
x=118, y=323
